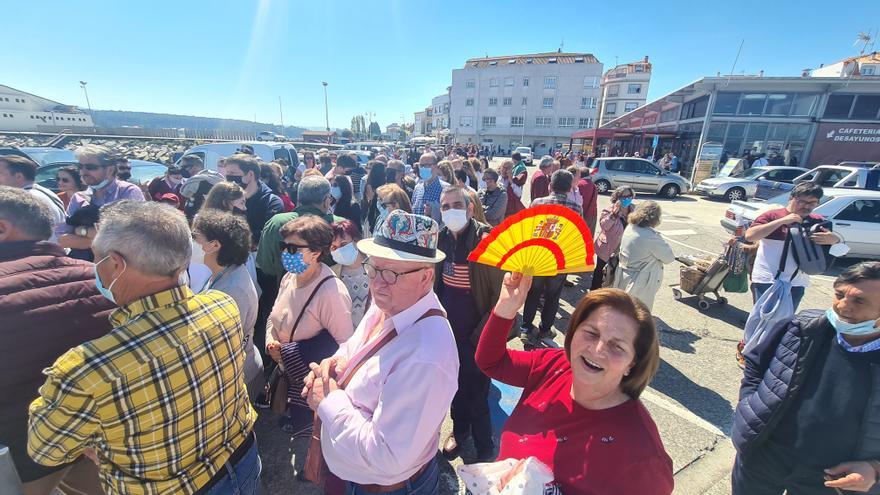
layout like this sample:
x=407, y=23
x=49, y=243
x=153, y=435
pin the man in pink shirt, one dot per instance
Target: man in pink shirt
x=381, y=432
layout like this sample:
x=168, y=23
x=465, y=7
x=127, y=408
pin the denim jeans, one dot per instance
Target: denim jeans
x=427, y=483
x=241, y=479
x=797, y=293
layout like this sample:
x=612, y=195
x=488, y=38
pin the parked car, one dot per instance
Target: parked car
x=270, y=136
x=859, y=175
x=43, y=155
x=743, y=185
x=142, y=172
x=854, y=214
x=526, y=154
x=609, y=173
x=211, y=153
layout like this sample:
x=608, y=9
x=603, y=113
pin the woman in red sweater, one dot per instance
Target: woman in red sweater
x=579, y=412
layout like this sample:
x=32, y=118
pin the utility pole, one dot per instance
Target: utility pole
x=82, y=84
x=281, y=112
x=326, y=112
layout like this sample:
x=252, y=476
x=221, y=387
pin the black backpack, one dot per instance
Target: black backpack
x=809, y=256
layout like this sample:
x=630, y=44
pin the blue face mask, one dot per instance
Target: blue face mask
x=851, y=329
x=625, y=202
x=106, y=291
x=101, y=185
x=294, y=263
x=425, y=173
x=383, y=212
x=335, y=192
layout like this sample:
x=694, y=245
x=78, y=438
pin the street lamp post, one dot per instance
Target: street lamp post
x=326, y=112
x=82, y=84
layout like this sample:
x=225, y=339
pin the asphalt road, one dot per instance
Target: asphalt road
x=691, y=399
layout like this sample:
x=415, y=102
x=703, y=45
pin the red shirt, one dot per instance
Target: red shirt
x=591, y=452
x=540, y=185
x=590, y=195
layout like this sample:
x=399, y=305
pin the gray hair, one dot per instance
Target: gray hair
x=152, y=237
x=25, y=212
x=460, y=190
x=105, y=156
x=313, y=190
x=561, y=181
x=546, y=161
x=433, y=156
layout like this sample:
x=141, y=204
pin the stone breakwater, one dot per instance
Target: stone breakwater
x=154, y=150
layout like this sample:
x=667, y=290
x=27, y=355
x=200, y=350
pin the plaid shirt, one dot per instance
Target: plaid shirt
x=557, y=199
x=161, y=398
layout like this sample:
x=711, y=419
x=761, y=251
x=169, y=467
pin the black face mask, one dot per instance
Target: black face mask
x=236, y=179
x=123, y=175
x=185, y=173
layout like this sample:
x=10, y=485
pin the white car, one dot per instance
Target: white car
x=854, y=214
x=526, y=153
x=211, y=153
x=269, y=136
x=743, y=185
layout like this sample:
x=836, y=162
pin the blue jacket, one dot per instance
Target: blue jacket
x=775, y=373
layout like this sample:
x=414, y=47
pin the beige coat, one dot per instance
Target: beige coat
x=643, y=252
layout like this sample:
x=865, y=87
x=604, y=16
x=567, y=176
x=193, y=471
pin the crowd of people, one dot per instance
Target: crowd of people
x=147, y=328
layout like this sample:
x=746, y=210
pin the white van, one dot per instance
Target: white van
x=266, y=151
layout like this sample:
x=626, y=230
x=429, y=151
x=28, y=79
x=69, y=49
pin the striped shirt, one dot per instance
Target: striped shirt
x=871, y=346
x=456, y=275
x=161, y=398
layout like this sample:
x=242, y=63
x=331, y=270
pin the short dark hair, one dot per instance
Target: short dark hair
x=516, y=156
x=231, y=231
x=247, y=163
x=647, y=345
x=490, y=173
x=20, y=165
x=862, y=272
x=561, y=181
x=346, y=160
x=807, y=189
x=74, y=173
x=314, y=230
x=187, y=161
x=347, y=227
x=174, y=170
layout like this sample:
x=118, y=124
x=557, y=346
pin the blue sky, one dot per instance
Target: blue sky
x=234, y=59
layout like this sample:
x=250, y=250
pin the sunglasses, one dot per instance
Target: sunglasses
x=291, y=248
x=62, y=179
x=91, y=166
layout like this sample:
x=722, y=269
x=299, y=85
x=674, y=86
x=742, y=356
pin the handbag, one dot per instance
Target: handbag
x=610, y=269
x=315, y=468
x=277, y=385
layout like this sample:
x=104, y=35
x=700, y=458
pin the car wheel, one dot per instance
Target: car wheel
x=670, y=191
x=603, y=186
x=735, y=194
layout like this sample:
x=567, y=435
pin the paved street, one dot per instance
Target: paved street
x=691, y=399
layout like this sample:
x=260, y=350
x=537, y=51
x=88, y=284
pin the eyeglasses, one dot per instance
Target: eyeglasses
x=388, y=276
x=291, y=248
x=807, y=204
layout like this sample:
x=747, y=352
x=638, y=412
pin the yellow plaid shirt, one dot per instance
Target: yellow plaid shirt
x=161, y=398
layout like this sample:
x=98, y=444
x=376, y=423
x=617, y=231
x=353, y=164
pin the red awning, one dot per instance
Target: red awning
x=596, y=133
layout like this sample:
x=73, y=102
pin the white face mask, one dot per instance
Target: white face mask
x=198, y=254
x=346, y=255
x=454, y=219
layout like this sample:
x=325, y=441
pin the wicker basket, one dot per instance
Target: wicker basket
x=690, y=278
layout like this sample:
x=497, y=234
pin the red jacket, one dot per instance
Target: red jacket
x=48, y=304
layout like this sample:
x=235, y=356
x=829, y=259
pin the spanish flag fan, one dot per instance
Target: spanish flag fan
x=542, y=240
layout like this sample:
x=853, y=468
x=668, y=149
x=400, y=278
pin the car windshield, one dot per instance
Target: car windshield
x=748, y=174
x=47, y=156
x=523, y=150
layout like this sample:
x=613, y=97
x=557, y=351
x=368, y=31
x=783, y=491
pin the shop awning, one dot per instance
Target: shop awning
x=595, y=134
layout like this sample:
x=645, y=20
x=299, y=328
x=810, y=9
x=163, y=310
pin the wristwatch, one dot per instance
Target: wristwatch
x=82, y=231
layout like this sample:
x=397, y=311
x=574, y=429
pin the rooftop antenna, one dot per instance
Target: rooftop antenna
x=561, y=45
x=865, y=39
x=735, y=60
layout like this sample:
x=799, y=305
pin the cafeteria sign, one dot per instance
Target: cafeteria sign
x=839, y=142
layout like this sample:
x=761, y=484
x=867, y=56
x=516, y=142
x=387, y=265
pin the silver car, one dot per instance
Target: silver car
x=743, y=185
x=609, y=173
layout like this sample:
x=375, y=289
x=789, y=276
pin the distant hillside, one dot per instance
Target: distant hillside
x=118, y=118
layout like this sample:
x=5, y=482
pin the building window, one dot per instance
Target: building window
x=488, y=121
x=550, y=82
x=866, y=107
x=804, y=104
x=610, y=108
x=613, y=90
x=634, y=89
x=629, y=107
x=465, y=121
x=867, y=71
x=493, y=102
x=566, y=121
x=469, y=102
x=591, y=81
x=838, y=106
x=470, y=83
x=752, y=104
x=493, y=83
x=525, y=101
x=508, y=81
x=507, y=101
x=726, y=103
x=588, y=102
x=585, y=123
x=525, y=82
x=516, y=121
x=640, y=68
x=543, y=121
x=548, y=103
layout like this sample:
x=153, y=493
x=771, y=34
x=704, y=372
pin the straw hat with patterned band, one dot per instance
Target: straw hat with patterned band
x=404, y=237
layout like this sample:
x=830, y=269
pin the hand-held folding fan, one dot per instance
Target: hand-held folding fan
x=543, y=240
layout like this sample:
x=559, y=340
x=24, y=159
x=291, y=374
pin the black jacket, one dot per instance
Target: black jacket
x=262, y=206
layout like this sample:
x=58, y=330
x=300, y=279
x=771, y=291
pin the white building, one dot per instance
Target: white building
x=624, y=88
x=863, y=65
x=20, y=111
x=525, y=100
x=419, y=124
x=440, y=114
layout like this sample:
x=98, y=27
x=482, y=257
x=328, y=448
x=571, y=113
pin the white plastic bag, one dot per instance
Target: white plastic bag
x=527, y=476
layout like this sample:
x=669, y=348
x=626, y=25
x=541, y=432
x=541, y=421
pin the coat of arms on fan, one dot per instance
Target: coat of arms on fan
x=543, y=240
